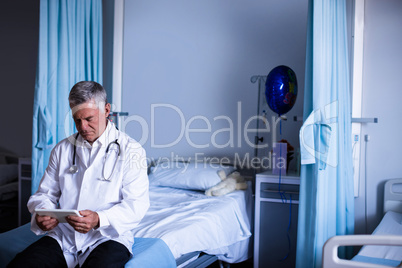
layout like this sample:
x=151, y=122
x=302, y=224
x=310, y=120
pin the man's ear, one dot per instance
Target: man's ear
x=107, y=109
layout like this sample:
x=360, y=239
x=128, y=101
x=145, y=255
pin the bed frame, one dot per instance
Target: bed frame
x=392, y=202
x=196, y=259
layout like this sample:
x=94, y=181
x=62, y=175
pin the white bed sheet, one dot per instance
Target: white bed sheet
x=391, y=224
x=190, y=221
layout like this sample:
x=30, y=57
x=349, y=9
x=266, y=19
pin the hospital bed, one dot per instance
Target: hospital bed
x=381, y=249
x=182, y=228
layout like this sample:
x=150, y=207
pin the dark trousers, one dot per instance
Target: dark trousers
x=46, y=252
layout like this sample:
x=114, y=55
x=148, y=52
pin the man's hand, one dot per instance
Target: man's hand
x=84, y=224
x=46, y=223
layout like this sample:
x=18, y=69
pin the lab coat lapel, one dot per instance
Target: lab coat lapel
x=82, y=154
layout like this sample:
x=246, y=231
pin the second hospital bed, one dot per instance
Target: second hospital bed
x=383, y=248
x=183, y=227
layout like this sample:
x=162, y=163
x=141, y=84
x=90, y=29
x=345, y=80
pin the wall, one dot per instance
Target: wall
x=382, y=95
x=19, y=31
x=108, y=17
x=187, y=69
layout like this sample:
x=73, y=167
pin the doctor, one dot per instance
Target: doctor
x=102, y=173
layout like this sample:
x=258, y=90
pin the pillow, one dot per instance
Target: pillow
x=193, y=176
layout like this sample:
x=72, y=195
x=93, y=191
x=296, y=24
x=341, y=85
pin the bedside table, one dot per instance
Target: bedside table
x=276, y=215
x=24, y=189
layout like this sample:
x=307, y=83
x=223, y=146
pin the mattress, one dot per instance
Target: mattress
x=391, y=224
x=188, y=221
x=379, y=261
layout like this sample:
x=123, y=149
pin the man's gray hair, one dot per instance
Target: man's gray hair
x=85, y=91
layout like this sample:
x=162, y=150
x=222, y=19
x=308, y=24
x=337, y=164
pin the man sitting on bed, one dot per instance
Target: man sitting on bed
x=112, y=200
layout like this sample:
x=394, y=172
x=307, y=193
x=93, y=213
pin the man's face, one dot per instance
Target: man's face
x=90, y=121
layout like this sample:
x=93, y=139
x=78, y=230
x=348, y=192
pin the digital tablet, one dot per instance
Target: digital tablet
x=59, y=214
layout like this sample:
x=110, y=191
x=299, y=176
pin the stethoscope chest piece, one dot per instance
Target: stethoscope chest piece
x=73, y=169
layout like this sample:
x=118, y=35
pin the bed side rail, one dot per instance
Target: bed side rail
x=393, y=195
x=330, y=250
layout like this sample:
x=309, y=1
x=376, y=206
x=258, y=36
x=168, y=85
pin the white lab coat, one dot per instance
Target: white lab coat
x=121, y=203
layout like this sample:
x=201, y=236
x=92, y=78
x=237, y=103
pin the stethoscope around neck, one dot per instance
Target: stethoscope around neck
x=74, y=168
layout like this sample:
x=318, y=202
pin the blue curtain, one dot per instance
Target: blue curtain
x=70, y=50
x=326, y=205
